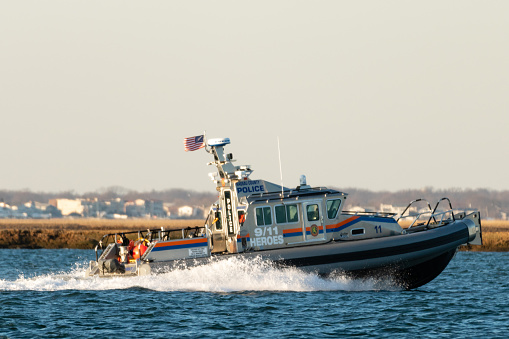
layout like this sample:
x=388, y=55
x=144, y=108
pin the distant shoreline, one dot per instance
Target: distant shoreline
x=85, y=233
x=75, y=233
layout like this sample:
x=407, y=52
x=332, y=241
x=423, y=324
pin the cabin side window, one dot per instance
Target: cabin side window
x=333, y=208
x=313, y=212
x=286, y=214
x=263, y=216
x=292, y=213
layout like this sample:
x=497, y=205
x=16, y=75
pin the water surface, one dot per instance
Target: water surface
x=44, y=294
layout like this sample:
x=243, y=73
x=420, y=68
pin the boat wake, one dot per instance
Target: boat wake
x=224, y=276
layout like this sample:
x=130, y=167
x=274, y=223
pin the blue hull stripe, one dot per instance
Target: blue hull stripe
x=309, y=232
x=362, y=218
x=178, y=247
x=295, y=234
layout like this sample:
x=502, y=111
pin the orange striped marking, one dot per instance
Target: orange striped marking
x=181, y=242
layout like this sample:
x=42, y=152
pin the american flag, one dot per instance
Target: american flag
x=194, y=143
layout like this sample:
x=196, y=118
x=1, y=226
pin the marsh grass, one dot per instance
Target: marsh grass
x=495, y=225
x=95, y=224
x=75, y=233
x=492, y=242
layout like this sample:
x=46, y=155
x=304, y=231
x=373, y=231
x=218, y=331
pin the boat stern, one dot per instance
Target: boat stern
x=112, y=267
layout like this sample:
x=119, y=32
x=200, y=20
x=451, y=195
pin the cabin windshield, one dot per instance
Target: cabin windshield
x=332, y=208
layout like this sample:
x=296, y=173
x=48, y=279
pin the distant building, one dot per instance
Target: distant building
x=15, y=213
x=168, y=207
x=68, y=206
x=191, y=212
x=155, y=208
x=5, y=210
x=53, y=211
x=135, y=208
x=199, y=212
x=185, y=211
x=101, y=209
x=91, y=208
x=35, y=210
x=115, y=206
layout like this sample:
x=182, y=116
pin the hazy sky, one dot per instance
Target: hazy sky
x=383, y=95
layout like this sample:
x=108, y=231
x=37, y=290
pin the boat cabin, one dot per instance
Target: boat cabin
x=255, y=215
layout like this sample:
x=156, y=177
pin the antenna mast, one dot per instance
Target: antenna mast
x=280, y=168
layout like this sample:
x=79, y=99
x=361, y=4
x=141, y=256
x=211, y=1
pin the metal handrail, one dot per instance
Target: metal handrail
x=432, y=212
x=410, y=204
x=435, y=215
x=186, y=231
x=416, y=216
x=436, y=206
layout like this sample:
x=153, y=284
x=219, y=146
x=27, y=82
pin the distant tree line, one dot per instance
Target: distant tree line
x=491, y=203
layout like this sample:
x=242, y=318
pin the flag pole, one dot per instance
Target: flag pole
x=205, y=141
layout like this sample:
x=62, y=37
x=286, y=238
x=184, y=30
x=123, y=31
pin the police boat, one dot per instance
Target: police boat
x=304, y=227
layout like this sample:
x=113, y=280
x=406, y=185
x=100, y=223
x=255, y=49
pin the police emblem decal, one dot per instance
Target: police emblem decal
x=314, y=230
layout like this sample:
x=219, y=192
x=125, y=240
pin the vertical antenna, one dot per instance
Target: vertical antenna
x=280, y=168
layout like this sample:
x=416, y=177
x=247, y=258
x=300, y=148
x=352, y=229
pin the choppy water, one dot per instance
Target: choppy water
x=43, y=294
